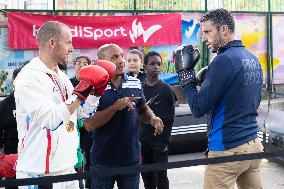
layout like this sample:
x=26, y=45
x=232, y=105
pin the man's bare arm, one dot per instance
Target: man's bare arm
x=148, y=117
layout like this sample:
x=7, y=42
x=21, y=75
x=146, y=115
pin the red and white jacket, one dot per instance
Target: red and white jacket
x=46, y=145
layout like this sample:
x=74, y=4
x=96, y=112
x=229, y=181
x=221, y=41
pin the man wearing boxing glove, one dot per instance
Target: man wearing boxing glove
x=47, y=108
x=115, y=140
x=90, y=84
x=231, y=93
x=186, y=58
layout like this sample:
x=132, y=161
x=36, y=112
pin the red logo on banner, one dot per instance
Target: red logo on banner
x=94, y=31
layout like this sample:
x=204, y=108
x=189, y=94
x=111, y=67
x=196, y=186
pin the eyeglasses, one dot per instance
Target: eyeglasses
x=78, y=63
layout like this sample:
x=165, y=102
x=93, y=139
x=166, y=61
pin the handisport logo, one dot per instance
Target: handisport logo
x=136, y=31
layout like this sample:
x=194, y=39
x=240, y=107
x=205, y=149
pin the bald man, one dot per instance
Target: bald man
x=115, y=140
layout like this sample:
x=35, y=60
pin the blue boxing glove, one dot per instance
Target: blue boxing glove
x=186, y=58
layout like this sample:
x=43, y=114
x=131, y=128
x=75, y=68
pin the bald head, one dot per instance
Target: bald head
x=114, y=54
x=50, y=29
x=107, y=50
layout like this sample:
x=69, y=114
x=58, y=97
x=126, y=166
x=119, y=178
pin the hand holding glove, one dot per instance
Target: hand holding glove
x=91, y=77
x=185, y=58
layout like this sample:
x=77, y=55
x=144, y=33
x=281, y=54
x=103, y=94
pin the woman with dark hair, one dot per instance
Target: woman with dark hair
x=79, y=62
x=85, y=137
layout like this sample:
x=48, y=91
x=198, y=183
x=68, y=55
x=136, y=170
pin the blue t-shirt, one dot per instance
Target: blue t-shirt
x=116, y=143
x=231, y=92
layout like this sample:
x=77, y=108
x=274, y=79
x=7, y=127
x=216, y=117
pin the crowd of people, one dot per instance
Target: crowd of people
x=113, y=113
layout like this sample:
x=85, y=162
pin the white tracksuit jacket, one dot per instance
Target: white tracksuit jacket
x=45, y=146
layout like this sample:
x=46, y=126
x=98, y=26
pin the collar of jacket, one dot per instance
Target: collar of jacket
x=234, y=43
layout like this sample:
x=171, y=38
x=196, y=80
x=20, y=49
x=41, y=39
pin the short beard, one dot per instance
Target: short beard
x=217, y=44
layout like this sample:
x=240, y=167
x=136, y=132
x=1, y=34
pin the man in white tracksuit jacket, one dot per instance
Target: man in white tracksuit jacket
x=47, y=109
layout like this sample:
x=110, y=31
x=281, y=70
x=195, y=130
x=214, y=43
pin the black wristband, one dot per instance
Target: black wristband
x=187, y=76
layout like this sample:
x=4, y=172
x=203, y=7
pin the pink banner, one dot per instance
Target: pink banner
x=94, y=31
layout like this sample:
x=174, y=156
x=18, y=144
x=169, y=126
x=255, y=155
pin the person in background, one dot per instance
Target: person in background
x=115, y=124
x=63, y=67
x=79, y=165
x=48, y=106
x=134, y=63
x=10, y=134
x=79, y=62
x=161, y=99
x=231, y=93
x=8, y=121
x=85, y=137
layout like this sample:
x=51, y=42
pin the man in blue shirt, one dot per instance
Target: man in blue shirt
x=231, y=93
x=115, y=136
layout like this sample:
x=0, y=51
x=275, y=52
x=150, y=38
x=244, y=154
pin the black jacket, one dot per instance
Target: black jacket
x=8, y=125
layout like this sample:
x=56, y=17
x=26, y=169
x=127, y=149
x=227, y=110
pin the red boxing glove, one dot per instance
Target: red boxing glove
x=7, y=165
x=100, y=91
x=83, y=90
x=90, y=77
x=93, y=74
x=108, y=66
